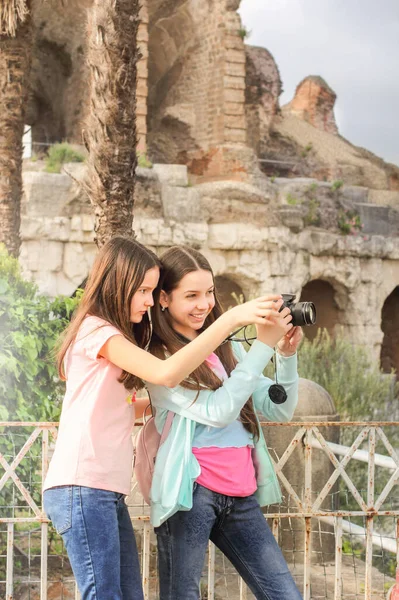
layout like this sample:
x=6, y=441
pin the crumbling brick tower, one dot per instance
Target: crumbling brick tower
x=191, y=83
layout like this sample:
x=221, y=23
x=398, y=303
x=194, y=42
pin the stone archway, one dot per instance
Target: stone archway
x=229, y=292
x=389, y=358
x=322, y=294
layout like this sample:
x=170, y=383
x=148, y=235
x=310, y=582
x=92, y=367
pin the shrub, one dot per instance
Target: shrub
x=312, y=216
x=59, y=154
x=244, y=33
x=349, y=222
x=30, y=325
x=358, y=388
x=143, y=161
x=336, y=185
x=291, y=200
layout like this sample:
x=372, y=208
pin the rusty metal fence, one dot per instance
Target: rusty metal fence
x=337, y=525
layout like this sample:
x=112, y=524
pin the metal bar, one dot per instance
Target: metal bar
x=44, y=455
x=307, y=559
x=275, y=528
x=371, y=470
x=360, y=455
x=338, y=559
x=146, y=560
x=340, y=469
x=44, y=561
x=380, y=541
x=211, y=571
x=308, y=470
x=310, y=424
x=10, y=562
x=369, y=558
x=278, y=466
x=35, y=424
x=10, y=468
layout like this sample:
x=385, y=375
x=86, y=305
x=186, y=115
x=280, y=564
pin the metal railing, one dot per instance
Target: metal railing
x=309, y=502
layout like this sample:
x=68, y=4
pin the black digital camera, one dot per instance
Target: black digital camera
x=303, y=313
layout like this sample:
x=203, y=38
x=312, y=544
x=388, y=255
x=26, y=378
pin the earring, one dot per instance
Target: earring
x=163, y=308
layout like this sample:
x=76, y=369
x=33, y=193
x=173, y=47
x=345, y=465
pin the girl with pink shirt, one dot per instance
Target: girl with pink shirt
x=213, y=472
x=104, y=361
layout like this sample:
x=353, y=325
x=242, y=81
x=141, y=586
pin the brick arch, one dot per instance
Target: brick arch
x=389, y=357
x=329, y=314
x=195, y=55
x=228, y=291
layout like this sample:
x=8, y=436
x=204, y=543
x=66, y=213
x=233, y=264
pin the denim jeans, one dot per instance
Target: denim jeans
x=99, y=538
x=239, y=529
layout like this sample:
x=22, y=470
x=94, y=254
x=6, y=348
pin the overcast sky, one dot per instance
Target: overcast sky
x=353, y=45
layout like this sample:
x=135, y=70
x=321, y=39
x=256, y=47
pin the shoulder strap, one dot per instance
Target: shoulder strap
x=168, y=422
x=167, y=426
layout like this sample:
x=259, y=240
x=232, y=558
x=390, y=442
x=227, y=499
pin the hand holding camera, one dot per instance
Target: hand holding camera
x=271, y=333
x=288, y=345
x=286, y=331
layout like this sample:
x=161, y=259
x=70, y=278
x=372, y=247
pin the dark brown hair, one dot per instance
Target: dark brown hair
x=117, y=274
x=177, y=262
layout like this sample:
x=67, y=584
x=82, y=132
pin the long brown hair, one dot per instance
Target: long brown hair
x=117, y=274
x=177, y=262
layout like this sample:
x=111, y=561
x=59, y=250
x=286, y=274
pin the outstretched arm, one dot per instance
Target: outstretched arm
x=122, y=353
x=220, y=407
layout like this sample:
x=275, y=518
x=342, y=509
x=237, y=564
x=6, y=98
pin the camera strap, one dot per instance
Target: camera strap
x=277, y=393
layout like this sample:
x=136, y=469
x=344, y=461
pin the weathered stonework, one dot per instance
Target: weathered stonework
x=314, y=103
x=204, y=99
x=238, y=228
x=263, y=87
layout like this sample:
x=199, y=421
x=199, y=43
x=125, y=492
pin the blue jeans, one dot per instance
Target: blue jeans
x=239, y=529
x=98, y=535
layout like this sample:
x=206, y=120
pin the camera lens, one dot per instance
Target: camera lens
x=305, y=313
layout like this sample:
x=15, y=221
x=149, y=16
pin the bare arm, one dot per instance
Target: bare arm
x=173, y=370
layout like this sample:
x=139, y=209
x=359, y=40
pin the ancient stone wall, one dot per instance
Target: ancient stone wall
x=263, y=87
x=196, y=80
x=237, y=227
x=59, y=94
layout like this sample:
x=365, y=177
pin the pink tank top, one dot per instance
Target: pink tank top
x=225, y=469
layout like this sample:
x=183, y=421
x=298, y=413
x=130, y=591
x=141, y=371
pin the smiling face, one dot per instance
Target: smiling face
x=142, y=300
x=190, y=302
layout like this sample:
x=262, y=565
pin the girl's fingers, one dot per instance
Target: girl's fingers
x=272, y=297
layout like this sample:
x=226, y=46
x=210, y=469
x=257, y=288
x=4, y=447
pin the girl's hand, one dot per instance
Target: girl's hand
x=288, y=345
x=260, y=311
x=278, y=326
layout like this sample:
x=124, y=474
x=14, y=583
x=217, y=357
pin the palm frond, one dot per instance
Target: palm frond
x=12, y=14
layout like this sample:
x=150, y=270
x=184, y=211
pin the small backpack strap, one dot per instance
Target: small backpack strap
x=167, y=426
x=168, y=422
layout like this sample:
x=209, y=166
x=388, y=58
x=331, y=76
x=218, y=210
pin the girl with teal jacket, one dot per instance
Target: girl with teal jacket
x=213, y=472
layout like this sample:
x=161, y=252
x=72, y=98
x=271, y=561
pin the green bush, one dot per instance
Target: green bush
x=30, y=325
x=59, y=154
x=358, y=388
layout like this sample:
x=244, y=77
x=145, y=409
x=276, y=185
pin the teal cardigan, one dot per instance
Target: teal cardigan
x=176, y=467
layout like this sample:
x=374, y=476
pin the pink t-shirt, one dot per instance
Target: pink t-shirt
x=94, y=445
x=226, y=469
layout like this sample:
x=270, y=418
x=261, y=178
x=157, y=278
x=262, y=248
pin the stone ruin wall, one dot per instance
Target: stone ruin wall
x=207, y=100
x=240, y=231
x=191, y=80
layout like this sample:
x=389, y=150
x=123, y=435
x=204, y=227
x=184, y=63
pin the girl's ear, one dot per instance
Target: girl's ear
x=163, y=299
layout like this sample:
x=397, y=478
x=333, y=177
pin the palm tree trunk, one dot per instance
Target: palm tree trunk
x=15, y=58
x=110, y=135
